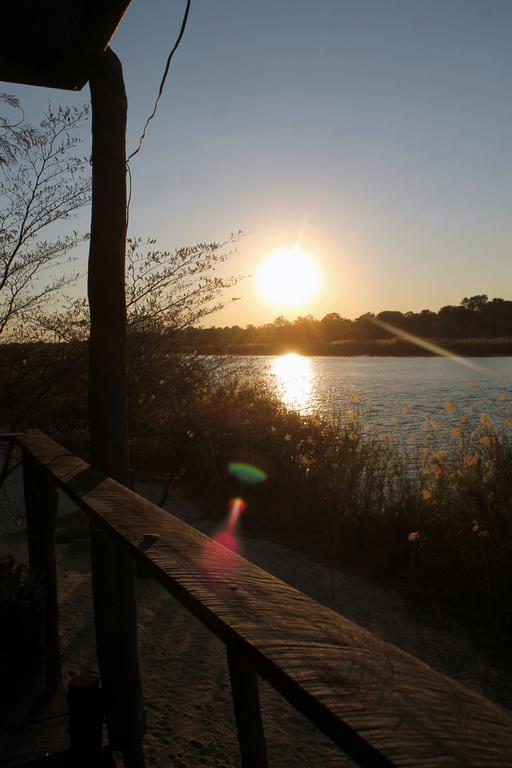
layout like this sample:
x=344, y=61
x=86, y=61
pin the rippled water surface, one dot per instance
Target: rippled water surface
x=394, y=394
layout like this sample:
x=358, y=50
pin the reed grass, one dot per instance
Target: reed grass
x=439, y=518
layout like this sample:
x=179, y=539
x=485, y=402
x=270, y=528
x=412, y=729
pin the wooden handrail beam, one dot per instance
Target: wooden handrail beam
x=381, y=705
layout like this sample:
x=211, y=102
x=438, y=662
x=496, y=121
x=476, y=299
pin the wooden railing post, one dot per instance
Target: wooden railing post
x=85, y=721
x=246, y=703
x=41, y=501
x=115, y=613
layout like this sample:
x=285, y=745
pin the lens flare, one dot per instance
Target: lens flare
x=228, y=539
x=236, y=507
x=218, y=562
x=246, y=473
x=424, y=344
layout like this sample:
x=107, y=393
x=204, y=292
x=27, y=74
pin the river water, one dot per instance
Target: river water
x=396, y=396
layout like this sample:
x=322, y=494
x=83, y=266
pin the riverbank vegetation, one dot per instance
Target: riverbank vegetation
x=436, y=519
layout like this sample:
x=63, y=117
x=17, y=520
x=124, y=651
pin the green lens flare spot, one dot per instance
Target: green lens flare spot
x=246, y=473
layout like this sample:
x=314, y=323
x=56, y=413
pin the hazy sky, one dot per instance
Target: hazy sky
x=379, y=132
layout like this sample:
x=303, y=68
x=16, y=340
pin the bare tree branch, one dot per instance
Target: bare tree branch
x=43, y=181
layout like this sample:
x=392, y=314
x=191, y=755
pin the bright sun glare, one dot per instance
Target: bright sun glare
x=289, y=278
x=294, y=380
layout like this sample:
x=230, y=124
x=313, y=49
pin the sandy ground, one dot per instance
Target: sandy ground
x=189, y=713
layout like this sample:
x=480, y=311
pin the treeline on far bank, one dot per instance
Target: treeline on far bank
x=477, y=326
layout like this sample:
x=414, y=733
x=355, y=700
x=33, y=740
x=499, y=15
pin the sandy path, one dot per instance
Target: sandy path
x=189, y=713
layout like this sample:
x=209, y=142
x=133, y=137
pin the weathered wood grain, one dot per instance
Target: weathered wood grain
x=378, y=703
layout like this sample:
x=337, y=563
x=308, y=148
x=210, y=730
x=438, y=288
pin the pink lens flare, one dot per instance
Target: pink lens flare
x=228, y=540
x=219, y=562
x=236, y=507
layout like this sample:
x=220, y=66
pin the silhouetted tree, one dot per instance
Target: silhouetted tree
x=42, y=181
x=333, y=327
x=15, y=133
x=394, y=319
x=365, y=328
x=475, y=303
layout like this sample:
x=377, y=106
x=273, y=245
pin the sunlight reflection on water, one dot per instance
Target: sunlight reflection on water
x=393, y=395
x=294, y=380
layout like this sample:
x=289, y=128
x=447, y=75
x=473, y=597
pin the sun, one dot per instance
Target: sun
x=289, y=278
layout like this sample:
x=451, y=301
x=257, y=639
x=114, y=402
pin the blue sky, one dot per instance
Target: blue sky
x=379, y=132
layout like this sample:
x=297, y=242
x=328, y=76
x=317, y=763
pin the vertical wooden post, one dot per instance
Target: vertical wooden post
x=85, y=721
x=113, y=572
x=41, y=501
x=106, y=271
x=246, y=703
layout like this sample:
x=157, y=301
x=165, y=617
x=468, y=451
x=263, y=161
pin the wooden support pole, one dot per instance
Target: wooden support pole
x=113, y=572
x=85, y=721
x=41, y=501
x=106, y=272
x=246, y=703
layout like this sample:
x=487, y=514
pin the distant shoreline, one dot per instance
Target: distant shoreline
x=370, y=348
x=395, y=347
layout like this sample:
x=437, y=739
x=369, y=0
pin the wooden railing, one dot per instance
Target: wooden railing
x=379, y=704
